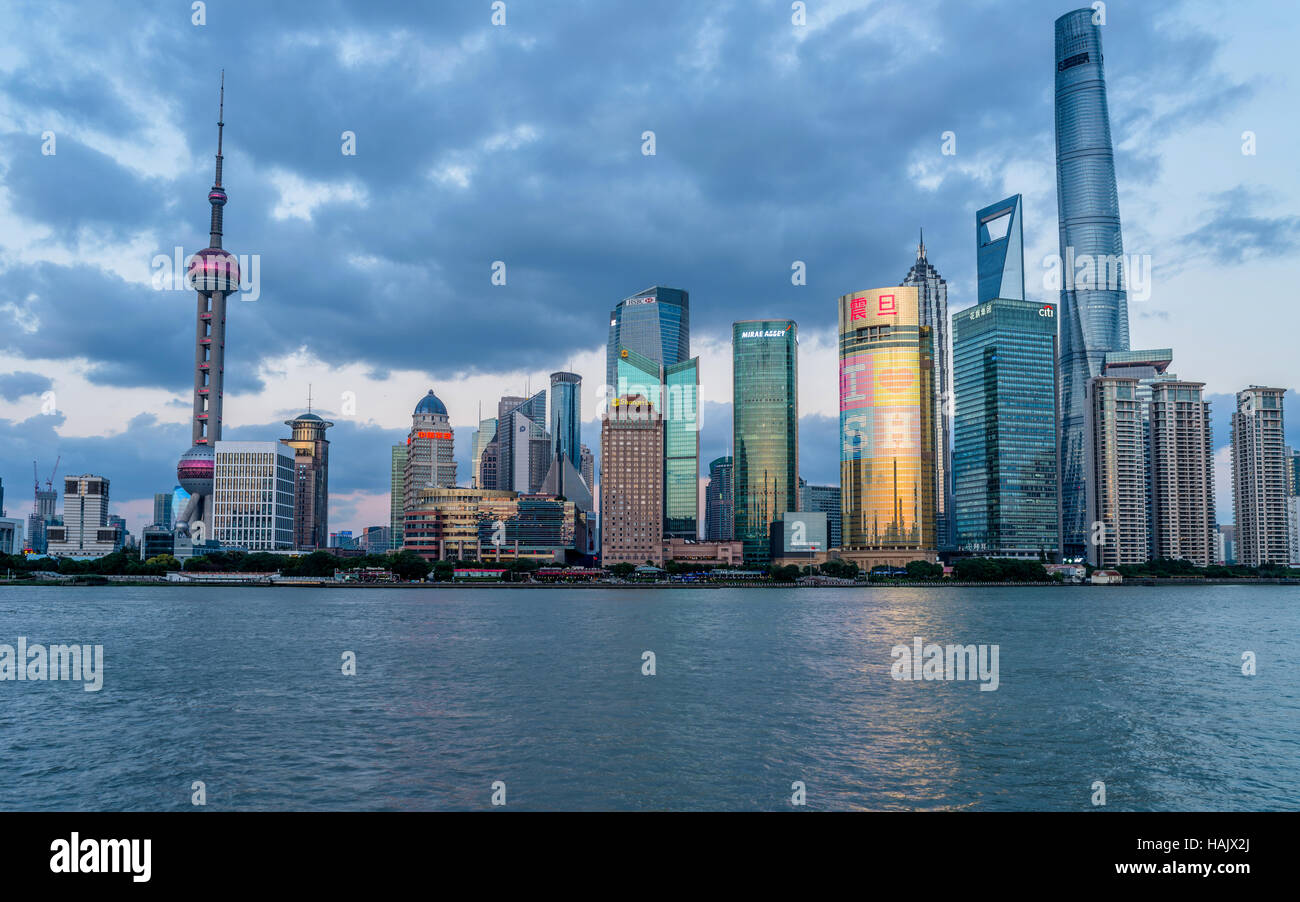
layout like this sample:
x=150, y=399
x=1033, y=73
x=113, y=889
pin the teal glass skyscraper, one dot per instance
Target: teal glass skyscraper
x=681, y=408
x=566, y=417
x=765, y=429
x=1005, y=429
x=655, y=323
x=1005, y=464
x=674, y=391
x=1094, y=311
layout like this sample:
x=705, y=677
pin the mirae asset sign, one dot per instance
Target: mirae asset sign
x=769, y=333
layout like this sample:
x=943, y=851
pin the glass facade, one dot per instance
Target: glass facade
x=887, y=423
x=397, y=495
x=566, y=417
x=1004, y=461
x=1000, y=251
x=765, y=429
x=523, y=446
x=655, y=323
x=681, y=411
x=538, y=525
x=674, y=391
x=487, y=431
x=823, y=499
x=720, y=511
x=1093, y=313
x=253, y=490
x=162, y=510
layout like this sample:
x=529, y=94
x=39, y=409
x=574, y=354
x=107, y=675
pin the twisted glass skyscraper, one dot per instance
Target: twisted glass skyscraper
x=1094, y=312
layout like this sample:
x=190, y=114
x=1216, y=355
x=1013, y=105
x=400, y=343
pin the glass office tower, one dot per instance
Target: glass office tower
x=720, y=510
x=674, y=391
x=397, y=496
x=1004, y=460
x=765, y=429
x=681, y=409
x=887, y=428
x=1093, y=314
x=655, y=323
x=566, y=417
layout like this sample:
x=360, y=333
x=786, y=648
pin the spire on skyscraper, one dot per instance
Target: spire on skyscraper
x=920, y=248
x=217, y=196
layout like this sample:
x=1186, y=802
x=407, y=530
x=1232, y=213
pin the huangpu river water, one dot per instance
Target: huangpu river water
x=753, y=690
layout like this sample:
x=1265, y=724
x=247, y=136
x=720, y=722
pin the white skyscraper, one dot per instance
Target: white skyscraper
x=86, y=531
x=253, y=487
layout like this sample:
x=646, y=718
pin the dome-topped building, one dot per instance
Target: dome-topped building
x=311, y=452
x=431, y=404
x=430, y=450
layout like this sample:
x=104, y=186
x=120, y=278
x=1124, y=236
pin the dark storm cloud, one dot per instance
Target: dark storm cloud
x=759, y=163
x=78, y=187
x=19, y=385
x=1233, y=233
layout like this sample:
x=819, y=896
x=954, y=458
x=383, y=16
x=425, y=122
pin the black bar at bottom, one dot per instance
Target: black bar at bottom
x=299, y=850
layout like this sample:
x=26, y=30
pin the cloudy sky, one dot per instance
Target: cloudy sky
x=522, y=143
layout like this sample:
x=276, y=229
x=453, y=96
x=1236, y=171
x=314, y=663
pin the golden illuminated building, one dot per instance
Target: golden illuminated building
x=443, y=524
x=887, y=428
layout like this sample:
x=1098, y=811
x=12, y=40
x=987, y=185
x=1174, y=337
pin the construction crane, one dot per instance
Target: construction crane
x=36, y=484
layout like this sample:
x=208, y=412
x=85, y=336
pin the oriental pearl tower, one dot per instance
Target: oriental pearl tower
x=214, y=274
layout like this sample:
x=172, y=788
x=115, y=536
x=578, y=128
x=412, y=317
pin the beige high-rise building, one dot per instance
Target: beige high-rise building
x=430, y=450
x=311, y=451
x=1182, y=473
x=632, y=483
x=443, y=523
x=1118, y=527
x=1259, y=477
x=85, y=531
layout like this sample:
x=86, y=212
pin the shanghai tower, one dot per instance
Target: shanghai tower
x=214, y=274
x=1094, y=312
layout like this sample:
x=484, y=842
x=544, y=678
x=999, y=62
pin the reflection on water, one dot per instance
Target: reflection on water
x=755, y=689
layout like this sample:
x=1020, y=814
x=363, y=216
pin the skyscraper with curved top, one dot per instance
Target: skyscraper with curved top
x=1093, y=312
x=655, y=323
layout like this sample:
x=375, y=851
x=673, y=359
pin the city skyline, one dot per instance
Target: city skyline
x=280, y=205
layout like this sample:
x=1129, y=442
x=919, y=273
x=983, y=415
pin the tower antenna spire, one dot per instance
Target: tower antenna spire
x=920, y=250
x=309, y=397
x=221, y=123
